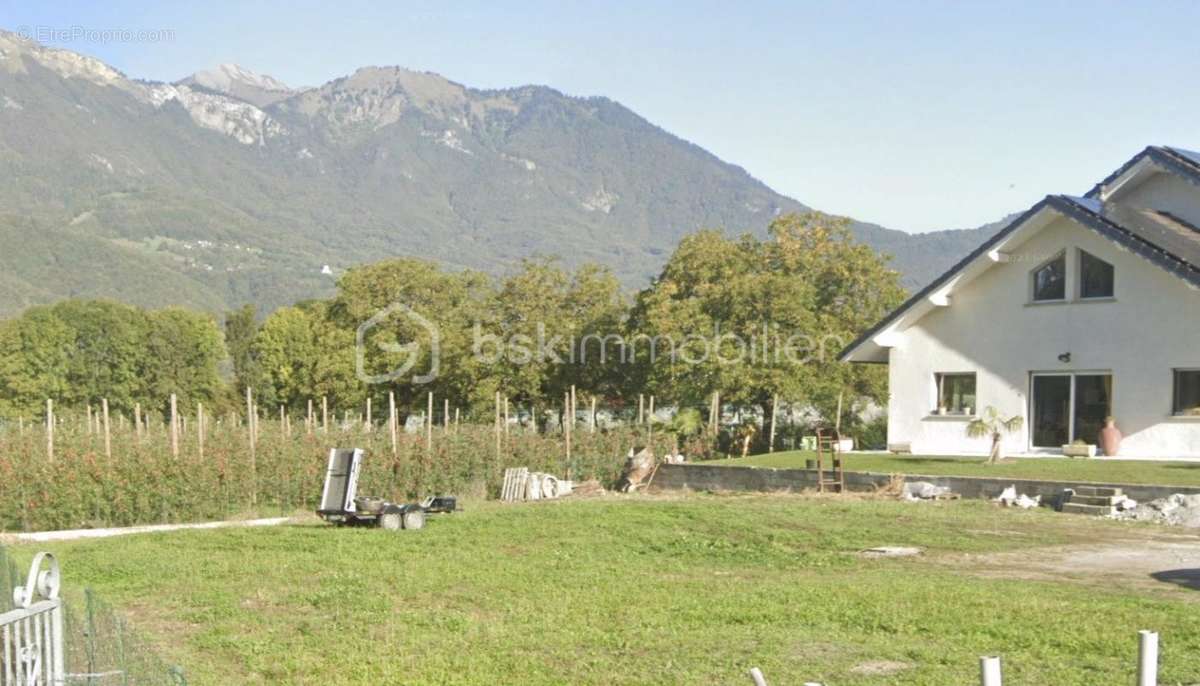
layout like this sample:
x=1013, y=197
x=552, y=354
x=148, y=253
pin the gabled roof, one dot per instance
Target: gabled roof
x=1159, y=237
x=1185, y=163
x=942, y=280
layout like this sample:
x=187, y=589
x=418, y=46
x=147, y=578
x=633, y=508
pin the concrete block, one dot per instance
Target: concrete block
x=1094, y=510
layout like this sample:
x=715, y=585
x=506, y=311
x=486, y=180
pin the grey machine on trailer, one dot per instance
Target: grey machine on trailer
x=341, y=504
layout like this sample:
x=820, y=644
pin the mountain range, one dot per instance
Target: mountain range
x=229, y=187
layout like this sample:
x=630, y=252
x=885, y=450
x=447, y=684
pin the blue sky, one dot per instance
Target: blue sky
x=914, y=115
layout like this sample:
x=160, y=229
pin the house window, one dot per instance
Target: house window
x=1187, y=392
x=1050, y=280
x=956, y=393
x=1095, y=277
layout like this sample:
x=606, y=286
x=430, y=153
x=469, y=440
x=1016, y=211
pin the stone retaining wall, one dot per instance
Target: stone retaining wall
x=700, y=477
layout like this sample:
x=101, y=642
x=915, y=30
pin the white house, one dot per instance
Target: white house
x=1082, y=308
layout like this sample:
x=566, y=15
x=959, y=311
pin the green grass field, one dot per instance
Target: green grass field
x=643, y=590
x=1052, y=468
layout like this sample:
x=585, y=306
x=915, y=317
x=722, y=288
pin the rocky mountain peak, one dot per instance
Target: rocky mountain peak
x=241, y=83
x=383, y=161
x=379, y=96
x=14, y=49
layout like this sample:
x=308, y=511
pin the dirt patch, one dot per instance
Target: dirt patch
x=819, y=651
x=879, y=667
x=890, y=551
x=1158, y=563
x=998, y=532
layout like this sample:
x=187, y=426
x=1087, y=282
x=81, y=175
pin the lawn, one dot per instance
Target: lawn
x=1052, y=468
x=641, y=590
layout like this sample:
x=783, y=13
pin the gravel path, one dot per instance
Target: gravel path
x=77, y=534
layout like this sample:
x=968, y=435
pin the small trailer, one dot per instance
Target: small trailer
x=341, y=504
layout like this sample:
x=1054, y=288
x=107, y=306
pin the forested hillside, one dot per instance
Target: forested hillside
x=229, y=188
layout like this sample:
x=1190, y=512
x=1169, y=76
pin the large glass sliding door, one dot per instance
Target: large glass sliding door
x=1051, y=411
x=1093, y=403
x=1067, y=407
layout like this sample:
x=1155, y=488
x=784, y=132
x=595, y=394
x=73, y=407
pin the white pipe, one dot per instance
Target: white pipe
x=1147, y=658
x=757, y=675
x=989, y=671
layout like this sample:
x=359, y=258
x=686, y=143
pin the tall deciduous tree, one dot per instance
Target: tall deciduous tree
x=756, y=320
x=240, y=330
x=79, y=352
x=35, y=352
x=181, y=354
x=302, y=355
x=403, y=302
x=551, y=331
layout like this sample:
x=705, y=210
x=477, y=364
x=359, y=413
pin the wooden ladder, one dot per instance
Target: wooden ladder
x=829, y=445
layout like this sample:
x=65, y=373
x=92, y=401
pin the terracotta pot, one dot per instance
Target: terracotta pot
x=1110, y=439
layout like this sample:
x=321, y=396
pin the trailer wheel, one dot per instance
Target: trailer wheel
x=392, y=521
x=414, y=519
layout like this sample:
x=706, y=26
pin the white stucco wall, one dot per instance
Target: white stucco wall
x=1151, y=327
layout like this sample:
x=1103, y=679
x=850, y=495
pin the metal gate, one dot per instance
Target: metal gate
x=33, y=632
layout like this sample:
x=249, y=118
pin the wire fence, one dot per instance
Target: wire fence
x=101, y=648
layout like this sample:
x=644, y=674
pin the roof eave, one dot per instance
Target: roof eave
x=1164, y=157
x=1165, y=259
x=987, y=246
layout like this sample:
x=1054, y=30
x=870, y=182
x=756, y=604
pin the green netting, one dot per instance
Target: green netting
x=102, y=649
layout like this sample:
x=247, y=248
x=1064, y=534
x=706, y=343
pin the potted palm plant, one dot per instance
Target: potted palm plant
x=684, y=425
x=991, y=424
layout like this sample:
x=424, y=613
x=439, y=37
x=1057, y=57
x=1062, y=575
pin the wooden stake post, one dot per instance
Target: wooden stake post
x=392, y=423
x=429, y=426
x=838, y=422
x=200, y=430
x=650, y=424
x=50, y=429
x=251, y=422
x=567, y=425
x=174, y=428
x=107, y=430
x=774, y=414
x=497, y=426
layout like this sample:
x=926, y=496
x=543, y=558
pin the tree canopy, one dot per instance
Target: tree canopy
x=78, y=352
x=753, y=319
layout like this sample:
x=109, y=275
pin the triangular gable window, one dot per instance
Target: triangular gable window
x=1050, y=280
x=1096, y=277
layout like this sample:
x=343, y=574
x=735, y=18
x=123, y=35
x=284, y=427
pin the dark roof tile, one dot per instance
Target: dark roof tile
x=1160, y=237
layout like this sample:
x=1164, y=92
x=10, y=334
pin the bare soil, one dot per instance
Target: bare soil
x=1153, y=561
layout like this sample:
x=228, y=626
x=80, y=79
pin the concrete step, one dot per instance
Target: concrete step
x=1093, y=510
x=1103, y=500
x=1097, y=490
